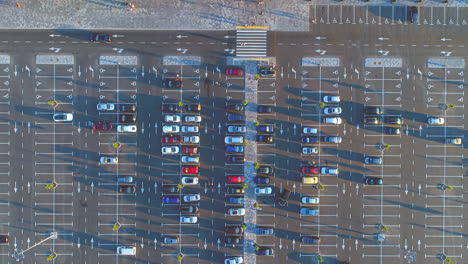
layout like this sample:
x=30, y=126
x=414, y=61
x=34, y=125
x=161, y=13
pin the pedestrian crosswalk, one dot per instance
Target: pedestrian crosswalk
x=251, y=43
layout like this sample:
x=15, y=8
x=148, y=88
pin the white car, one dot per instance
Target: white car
x=189, y=180
x=170, y=150
x=234, y=140
x=189, y=219
x=454, y=141
x=190, y=129
x=62, y=117
x=127, y=128
x=331, y=99
x=263, y=190
x=192, y=118
x=329, y=170
x=171, y=129
x=191, y=197
x=309, y=130
x=234, y=260
x=190, y=159
x=310, y=200
x=436, y=121
x=106, y=107
x=309, y=150
x=332, y=110
x=172, y=118
x=332, y=120
x=109, y=160
x=236, y=211
x=191, y=139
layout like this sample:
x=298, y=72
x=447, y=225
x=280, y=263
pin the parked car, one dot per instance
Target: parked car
x=189, y=180
x=332, y=110
x=109, y=160
x=262, y=180
x=170, y=150
x=332, y=139
x=234, y=149
x=309, y=150
x=235, y=107
x=105, y=107
x=331, y=99
x=265, y=169
x=372, y=110
x=309, y=180
x=309, y=140
x=190, y=159
x=234, y=72
x=190, y=129
x=373, y=180
x=192, y=118
x=234, y=140
x=170, y=139
x=267, y=73
x=235, y=190
x=373, y=120
x=310, y=240
x=174, y=83
x=310, y=200
x=232, y=240
x=188, y=219
x=309, y=130
x=171, y=129
x=263, y=190
x=171, y=240
x=309, y=211
x=372, y=160
x=264, y=139
x=99, y=37
x=127, y=108
x=392, y=131
x=393, y=120
x=236, y=211
x=4, y=239
x=310, y=170
x=193, y=108
x=125, y=179
x=170, y=189
x=127, y=128
x=191, y=198
x=127, y=118
x=172, y=118
x=236, y=179
x=170, y=200
x=435, y=120
x=191, y=139
x=234, y=260
x=264, y=109
x=332, y=120
x=329, y=170
x=454, y=141
x=265, y=252
x=235, y=118
x=236, y=200
x=190, y=150
x=169, y=108
x=284, y=197
x=264, y=231
x=236, y=230
x=189, y=170
x=63, y=117
x=236, y=129
x=188, y=209
x=127, y=189
x=102, y=126
x=265, y=129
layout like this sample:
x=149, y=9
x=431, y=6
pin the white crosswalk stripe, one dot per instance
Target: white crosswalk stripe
x=251, y=43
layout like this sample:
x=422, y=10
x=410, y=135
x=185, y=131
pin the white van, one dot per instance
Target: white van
x=126, y=250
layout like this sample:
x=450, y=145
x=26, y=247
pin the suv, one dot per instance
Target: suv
x=284, y=196
x=332, y=120
x=235, y=149
x=329, y=170
x=172, y=83
x=234, y=140
x=265, y=128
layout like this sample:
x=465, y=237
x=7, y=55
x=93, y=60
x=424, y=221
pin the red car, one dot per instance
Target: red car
x=189, y=170
x=102, y=126
x=190, y=150
x=236, y=179
x=170, y=139
x=235, y=72
x=310, y=170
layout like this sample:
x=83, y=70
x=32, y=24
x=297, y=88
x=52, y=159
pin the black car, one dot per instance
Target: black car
x=235, y=190
x=265, y=169
x=4, y=239
x=393, y=120
x=372, y=120
x=235, y=107
x=372, y=110
x=127, y=189
x=235, y=118
x=268, y=73
x=188, y=209
x=235, y=159
x=284, y=197
x=127, y=108
x=262, y=180
x=310, y=240
x=264, y=139
x=169, y=108
x=265, y=251
x=128, y=118
x=267, y=129
x=264, y=109
x=374, y=181
x=232, y=240
x=264, y=231
x=236, y=230
x=174, y=83
x=170, y=189
x=100, y=37
x=193, y=108
x=392, y=131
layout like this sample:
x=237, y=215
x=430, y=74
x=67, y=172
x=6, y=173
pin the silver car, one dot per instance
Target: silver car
x=190, y=129
x=191, y=139
x=189, y=159
x=236, y=129
x=332, y=110
x=171, y=129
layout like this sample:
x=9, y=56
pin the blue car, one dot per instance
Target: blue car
x=235, y=118
x=236, y=149
x=307, y=140
x=236, y=200
x=171, y=200
x=265, y=129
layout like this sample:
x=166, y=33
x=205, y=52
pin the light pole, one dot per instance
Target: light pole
x=19, y=253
